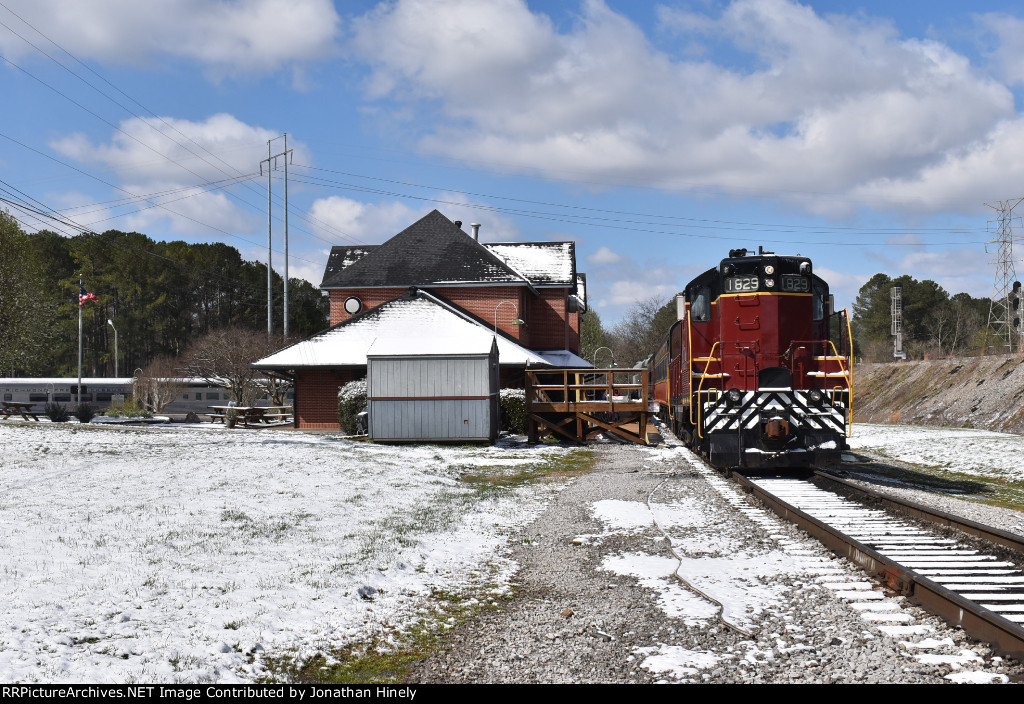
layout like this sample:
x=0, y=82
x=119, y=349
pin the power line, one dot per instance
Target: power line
x=605, y=223
x=712, y=223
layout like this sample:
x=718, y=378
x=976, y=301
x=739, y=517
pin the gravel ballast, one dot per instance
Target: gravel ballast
x=599, y=598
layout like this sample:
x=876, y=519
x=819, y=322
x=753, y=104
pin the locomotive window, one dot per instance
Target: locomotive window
x=700, y=309
x=795, y=284
x=734, y=284
x=819, y=302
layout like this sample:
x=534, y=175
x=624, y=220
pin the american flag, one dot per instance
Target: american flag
x=84, y=296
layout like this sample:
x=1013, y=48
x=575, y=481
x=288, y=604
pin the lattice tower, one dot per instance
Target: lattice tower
x=1001, y=312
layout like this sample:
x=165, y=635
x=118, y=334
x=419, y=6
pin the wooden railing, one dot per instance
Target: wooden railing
x=578, y=404
x=568, y=390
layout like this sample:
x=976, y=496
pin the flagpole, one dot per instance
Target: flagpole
x=79, y=395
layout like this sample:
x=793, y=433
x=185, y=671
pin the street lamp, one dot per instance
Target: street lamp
x=517, y=321
x=612, y=365
x=111, y=324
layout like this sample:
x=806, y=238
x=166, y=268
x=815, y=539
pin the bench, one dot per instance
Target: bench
x=9, y=408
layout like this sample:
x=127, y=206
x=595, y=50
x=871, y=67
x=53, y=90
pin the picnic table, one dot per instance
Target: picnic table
x=251, y=415
x=9, y=408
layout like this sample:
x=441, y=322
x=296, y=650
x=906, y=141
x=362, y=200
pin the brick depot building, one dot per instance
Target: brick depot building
x=434, y=280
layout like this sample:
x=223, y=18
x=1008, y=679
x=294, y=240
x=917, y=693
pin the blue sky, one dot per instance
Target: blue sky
x=868, y=136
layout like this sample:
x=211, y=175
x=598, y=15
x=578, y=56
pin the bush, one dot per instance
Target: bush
x=56, y=412
x=84, y=412
x=128, y=408
x=513, y=411
x=351, y=402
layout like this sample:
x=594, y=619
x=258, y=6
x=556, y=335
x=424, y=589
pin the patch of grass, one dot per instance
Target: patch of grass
x=388, y=658
x=997, y=491
x=499, y=477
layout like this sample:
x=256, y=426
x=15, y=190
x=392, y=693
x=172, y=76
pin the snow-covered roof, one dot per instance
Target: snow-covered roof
x=437, y=346
x=543, y=263
x=413, y=323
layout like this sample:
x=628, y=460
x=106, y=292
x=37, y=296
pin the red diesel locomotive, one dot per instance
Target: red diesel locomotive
x=756, y=372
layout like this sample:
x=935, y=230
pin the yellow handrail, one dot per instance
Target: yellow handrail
x=848, y=375
x=700, y=386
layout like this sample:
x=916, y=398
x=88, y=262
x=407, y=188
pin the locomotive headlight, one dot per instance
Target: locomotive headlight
x=769, y=270
x=814, y=396
x=734, y=396
x=770, y=283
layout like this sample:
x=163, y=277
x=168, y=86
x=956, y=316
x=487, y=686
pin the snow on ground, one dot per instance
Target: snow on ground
x=188, y=554
x=976, y=452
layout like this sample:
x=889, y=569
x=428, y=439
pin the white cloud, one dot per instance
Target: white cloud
x=166, y=154
x=628, y=292
x=350, y=221
x=828, y=111
x=603, y=256
x=1005, y=45
x=227, y=37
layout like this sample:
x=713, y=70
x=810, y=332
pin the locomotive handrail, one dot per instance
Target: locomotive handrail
x=849, y=386
x=700, y=386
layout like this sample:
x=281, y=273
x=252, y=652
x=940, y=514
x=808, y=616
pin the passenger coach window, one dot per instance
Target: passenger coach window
x=700, y=307
x=819, y=302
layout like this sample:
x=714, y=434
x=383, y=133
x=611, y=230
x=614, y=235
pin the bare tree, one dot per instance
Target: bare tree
x=642, y=330
x=159, y=384
x=222, y=357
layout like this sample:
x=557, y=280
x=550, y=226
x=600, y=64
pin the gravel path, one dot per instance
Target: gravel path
x=599, y=598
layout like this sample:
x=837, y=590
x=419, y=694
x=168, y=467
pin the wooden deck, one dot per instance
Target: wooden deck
x=578, y=404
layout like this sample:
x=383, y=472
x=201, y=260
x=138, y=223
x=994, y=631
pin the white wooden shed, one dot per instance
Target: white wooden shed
x=444, y=391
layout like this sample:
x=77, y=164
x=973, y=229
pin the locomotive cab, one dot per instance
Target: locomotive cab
x=759, y=380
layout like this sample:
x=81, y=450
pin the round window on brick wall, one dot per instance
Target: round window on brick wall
x=353, y=305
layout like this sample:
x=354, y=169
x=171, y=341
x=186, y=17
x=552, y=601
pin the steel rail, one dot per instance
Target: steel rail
x=980, y=623
x=926, y=513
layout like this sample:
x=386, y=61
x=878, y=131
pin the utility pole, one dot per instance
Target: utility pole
x=1003, y=320
x=286, y=155
x=271, y=162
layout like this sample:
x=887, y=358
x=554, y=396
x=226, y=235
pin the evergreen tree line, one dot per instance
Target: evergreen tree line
x=935, y=324
x=161, y=296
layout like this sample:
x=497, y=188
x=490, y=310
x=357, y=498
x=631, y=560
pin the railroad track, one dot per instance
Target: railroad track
x=974, y=587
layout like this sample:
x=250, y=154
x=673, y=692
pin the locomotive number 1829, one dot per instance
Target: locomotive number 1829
x=740, y=283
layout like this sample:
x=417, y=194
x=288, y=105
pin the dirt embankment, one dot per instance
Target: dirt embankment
x=973, y=392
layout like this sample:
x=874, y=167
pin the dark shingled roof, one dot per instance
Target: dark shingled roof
x=344, y=257
x=432, y=251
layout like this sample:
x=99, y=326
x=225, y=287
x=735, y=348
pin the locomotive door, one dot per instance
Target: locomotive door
x=742, y=325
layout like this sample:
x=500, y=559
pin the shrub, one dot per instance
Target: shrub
x=513, y=411
x=351, y=402
x=84, y=412
x=56, y=412
x=128, y=408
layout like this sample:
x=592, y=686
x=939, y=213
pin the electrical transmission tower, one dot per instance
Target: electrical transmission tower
x=1004, y=309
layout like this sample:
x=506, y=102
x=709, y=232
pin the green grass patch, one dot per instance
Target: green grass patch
x=499, y=477
x=384, y=660
x=996, y=491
